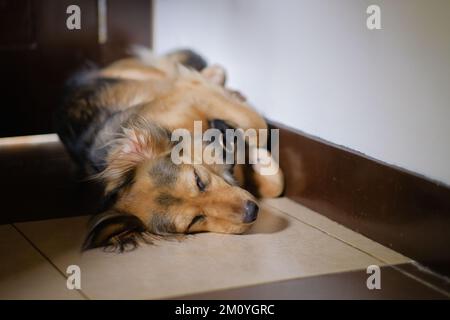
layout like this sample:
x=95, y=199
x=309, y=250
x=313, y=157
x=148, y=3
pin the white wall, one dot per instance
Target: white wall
x=314, y=65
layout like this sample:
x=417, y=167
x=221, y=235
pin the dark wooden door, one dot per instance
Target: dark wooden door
x=38, y=52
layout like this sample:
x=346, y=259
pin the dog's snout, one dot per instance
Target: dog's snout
x=251, y=211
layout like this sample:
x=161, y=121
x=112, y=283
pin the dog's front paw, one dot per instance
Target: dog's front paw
x=268, y=176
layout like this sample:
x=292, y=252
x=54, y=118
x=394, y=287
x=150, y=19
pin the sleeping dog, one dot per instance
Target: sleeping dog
x=116, y=124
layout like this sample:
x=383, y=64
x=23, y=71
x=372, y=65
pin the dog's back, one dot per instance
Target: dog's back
x=95, y=104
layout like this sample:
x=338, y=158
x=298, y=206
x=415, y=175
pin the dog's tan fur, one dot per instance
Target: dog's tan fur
x=147, y=99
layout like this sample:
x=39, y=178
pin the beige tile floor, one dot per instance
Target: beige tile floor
x=25, y=273
x=288, y=241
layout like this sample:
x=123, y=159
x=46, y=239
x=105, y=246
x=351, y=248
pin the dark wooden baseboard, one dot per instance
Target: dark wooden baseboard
x=399, y=209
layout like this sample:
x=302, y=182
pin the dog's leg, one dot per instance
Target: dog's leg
x=260, y=174
x=260, y=185
x=234, y=111
x=241, y=118
x=263, y=177
x=132, y=69
x=267, y=176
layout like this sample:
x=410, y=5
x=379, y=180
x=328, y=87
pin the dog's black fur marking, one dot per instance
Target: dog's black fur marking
x=222, y=126
x=164, y=172
x=166, y=200
x=191, y=59
x=79, y=117
x=110, y=198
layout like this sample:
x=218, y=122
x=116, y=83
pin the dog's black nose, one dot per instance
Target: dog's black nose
x=251, y=211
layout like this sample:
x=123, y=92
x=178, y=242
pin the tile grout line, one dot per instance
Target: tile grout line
x=410, y=275
x=427, y=270
x=332, y=236
x=45, y=257
x=445, y=293
x=236, y=287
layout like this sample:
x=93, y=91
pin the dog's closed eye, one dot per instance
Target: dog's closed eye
x=195, y=220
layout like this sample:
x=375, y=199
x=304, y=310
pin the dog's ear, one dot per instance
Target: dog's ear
x=138, y=142
x=115, y=230
x=215, y=74
x=141, y=139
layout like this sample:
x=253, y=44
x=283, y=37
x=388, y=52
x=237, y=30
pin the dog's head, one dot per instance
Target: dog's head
x=148, y=193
